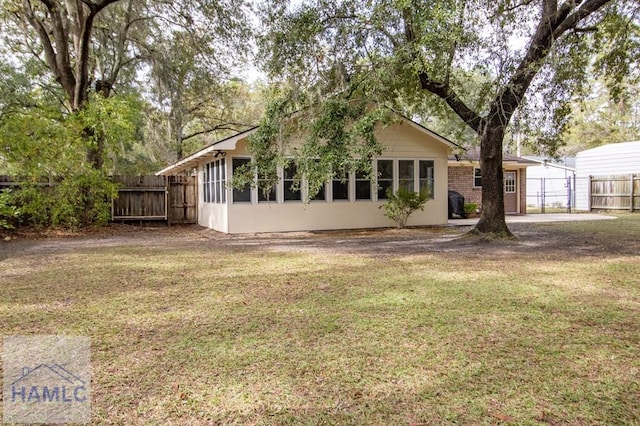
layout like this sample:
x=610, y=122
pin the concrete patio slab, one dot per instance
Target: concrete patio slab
x=538, y=218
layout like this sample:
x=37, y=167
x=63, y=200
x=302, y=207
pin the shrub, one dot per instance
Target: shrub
x=402, y=204
x=76, y=200
x=9, y=212
x=470, y=208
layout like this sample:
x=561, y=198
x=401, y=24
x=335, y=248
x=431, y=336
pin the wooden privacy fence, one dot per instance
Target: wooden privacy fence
x=615, y=192
x=168, y=198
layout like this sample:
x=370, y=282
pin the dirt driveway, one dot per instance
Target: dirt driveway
x=564, y=239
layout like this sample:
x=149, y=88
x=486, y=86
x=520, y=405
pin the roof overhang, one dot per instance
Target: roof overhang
x=463, y=162
x=214, y=149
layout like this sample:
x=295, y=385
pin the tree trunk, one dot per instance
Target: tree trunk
x=492, y=221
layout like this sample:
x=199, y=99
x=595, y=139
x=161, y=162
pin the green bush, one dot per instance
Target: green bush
x=77, y=200
x=470, y=208
x=402, y=204
x=9, y=212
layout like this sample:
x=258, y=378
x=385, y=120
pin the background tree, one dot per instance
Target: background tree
x=77, y=78
x=532, y=56
x=597, y=119
x=98, y=45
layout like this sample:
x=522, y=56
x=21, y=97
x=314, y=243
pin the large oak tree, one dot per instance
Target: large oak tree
x=530, y=57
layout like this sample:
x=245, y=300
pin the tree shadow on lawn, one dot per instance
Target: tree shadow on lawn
x=538, y=239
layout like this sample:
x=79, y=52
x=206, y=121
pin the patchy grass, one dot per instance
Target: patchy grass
x=199, y=331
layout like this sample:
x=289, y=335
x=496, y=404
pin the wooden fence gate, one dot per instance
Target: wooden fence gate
x=615, y=192
x=183, y=199
x=167, y=198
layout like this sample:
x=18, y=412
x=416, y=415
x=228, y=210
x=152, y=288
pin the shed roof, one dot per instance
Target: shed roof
x=565, y=163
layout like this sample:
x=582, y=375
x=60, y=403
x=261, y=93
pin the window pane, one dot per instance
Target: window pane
x=270, y=196
x=321, y=195
x=340, y=189
x=205, y=182
x=289, y=193
x=363, y=190
x=384, y=188
x=405, y=169
x=425, y=170
x=210, y=168
x=216, y=181
x=510, y=182
x=385, y=178
x=223, y=181
x=385, y=169
x=363, y=186
x=405, y=175
x=244, y=194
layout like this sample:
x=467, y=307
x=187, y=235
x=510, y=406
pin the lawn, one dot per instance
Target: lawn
x=189, y=327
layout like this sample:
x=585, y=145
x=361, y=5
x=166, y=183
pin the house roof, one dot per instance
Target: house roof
x=230, y=143
x=192, y=160
x=473, y=155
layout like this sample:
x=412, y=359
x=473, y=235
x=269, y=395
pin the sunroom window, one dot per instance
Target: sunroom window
x=242, y=195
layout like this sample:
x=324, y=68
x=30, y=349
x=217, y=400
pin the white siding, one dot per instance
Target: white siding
x=607, y=160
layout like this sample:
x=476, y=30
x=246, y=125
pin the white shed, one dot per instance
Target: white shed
x=607, y=160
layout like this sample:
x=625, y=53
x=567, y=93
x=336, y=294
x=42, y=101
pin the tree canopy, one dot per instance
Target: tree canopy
x=482, y=61
x=96, y=87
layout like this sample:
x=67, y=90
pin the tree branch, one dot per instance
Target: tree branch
x=236, y=127
x=571, y=21
x=441, y=89
x=554, y=23
x=444, y=92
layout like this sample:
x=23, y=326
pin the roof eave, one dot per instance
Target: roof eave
x=226, y=144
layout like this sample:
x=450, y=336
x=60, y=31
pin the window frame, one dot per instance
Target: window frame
x=347, y=183
x=357, y=179
x=233, y=193
x=414, y=172
x=477, y=174
x=431, y=195
x=392, y=180
x=284, y=181
x=515, y=181
x=214, y=182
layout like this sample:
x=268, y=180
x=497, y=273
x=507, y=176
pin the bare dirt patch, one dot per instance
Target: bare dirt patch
x=558, y=240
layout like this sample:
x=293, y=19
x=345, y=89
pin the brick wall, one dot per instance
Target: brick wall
x=522, y=193
x=461, y=180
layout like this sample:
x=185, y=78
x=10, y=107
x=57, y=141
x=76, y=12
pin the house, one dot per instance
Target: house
x=465, y=177
x=607, y=160
x=551, y=182
x=413, y=157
